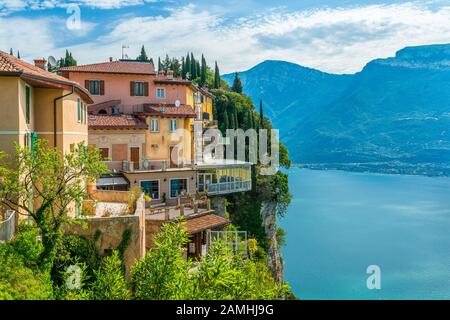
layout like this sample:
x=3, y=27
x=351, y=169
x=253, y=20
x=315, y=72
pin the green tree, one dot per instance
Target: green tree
x=143, y=56
x=11, y=52
x=18, y=54
x=261, y=114
x=237, y=85
x=216, y=77
x=110, y=282
x=42, y=183
x=203, y=72
x=162, y=273
x=188, y=67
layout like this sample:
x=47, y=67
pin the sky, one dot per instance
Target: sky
x=329, y=35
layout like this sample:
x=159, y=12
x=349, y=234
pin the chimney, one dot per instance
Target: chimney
x=41, y=63
x=170, y=74
x=161, y=73
x=110, y=59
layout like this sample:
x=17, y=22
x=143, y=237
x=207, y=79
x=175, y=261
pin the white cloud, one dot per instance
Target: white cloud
x=340, y=40
x=10, y=6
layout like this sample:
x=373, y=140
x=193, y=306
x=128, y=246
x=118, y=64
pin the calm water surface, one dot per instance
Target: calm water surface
x=341, y=222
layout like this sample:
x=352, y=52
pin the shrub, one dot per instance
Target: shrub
x=19, y=282
x=27, y=245
x=110, y=282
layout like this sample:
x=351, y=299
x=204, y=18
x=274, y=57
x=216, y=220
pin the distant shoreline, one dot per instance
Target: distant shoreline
x=422, y=169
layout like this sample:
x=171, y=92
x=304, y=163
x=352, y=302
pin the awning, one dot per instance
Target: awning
x=112, y=181
x=205, y=222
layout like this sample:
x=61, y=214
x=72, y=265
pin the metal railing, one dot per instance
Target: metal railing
x=235, y=240
x=8, y=226
x=229, y=187
x=144, y=165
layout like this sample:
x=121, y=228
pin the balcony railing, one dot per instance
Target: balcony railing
x=8, y=226
x=144, y=165
x=229, y=187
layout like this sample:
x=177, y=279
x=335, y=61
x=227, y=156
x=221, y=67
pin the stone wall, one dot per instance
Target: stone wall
x=111, y=233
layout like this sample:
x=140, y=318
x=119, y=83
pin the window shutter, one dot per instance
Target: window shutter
x=132, y=88
x=102, y=87
x=146, y=89
x=86, y=84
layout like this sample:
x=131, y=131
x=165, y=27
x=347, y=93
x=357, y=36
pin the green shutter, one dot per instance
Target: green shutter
x=27, y=104
x=79, y=109
x=33, y=141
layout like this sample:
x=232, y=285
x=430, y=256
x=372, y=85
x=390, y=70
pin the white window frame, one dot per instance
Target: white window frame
x=159, y=186
x=151, y=125
x=170, y=185
x=162, y=90
x=89, y=87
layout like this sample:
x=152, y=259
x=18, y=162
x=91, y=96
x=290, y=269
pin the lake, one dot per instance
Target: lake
x=339, y=223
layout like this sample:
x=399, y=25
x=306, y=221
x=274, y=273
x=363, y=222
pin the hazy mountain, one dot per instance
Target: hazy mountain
x=394, y=114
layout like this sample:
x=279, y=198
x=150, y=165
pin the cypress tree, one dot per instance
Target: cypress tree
x=225, y=122
x=197, y=69
x=183, y=68
x=151, y=61
x=143, y=56
x=203, y=72
x=188, y=67
x=11, y=52
x=237, y=85
x=261, y=114
x=18, y=54
x=236, y=122
x=193, y=67
x=216, y=77
x=232, y=123
x=160, y=67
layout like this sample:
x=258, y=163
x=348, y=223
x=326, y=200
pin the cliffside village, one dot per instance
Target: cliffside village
x=132, y=115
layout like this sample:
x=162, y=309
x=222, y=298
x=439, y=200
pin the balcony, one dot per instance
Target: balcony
x=228, y=187
x=220, y=177
x=145, y=166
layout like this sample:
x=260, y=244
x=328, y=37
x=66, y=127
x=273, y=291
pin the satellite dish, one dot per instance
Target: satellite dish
x=52, y=61
x=177, y=103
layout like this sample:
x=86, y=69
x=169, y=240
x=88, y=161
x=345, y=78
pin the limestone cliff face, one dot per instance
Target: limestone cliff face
x=275, y=260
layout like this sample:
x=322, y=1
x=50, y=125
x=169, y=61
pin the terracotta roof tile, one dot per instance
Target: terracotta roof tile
x=165, y=109
x=116, y=122
x=11, y=64
x=202, y=223
x=125, y=67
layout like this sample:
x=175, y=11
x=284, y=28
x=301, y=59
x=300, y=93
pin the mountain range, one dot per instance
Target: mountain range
x=392, y=116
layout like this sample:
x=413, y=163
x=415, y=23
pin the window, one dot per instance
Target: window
x=104, y=152
x=79, y=109
x=177, y=187
x=161, y=93
x=154, y=125
x=173, y=124
x=151, y=188
x=94, y=87
x=27, y=104
x=138, y=89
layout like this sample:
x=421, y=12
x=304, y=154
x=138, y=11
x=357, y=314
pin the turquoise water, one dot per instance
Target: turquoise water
x=341, y=222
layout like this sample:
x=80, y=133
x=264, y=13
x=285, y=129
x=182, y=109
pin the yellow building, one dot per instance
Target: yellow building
x=35, y=103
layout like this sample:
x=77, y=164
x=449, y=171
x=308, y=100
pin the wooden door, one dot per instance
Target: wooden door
x=134, y=157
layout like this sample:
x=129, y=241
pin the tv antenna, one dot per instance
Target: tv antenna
x=124, y=46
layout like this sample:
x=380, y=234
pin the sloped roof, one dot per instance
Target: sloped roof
x=123, y=67
x=115, y=122
x=10, y=65
x=205, y=222
x=164, y=109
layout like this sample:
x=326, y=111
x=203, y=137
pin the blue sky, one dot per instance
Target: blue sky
x=333, y=36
